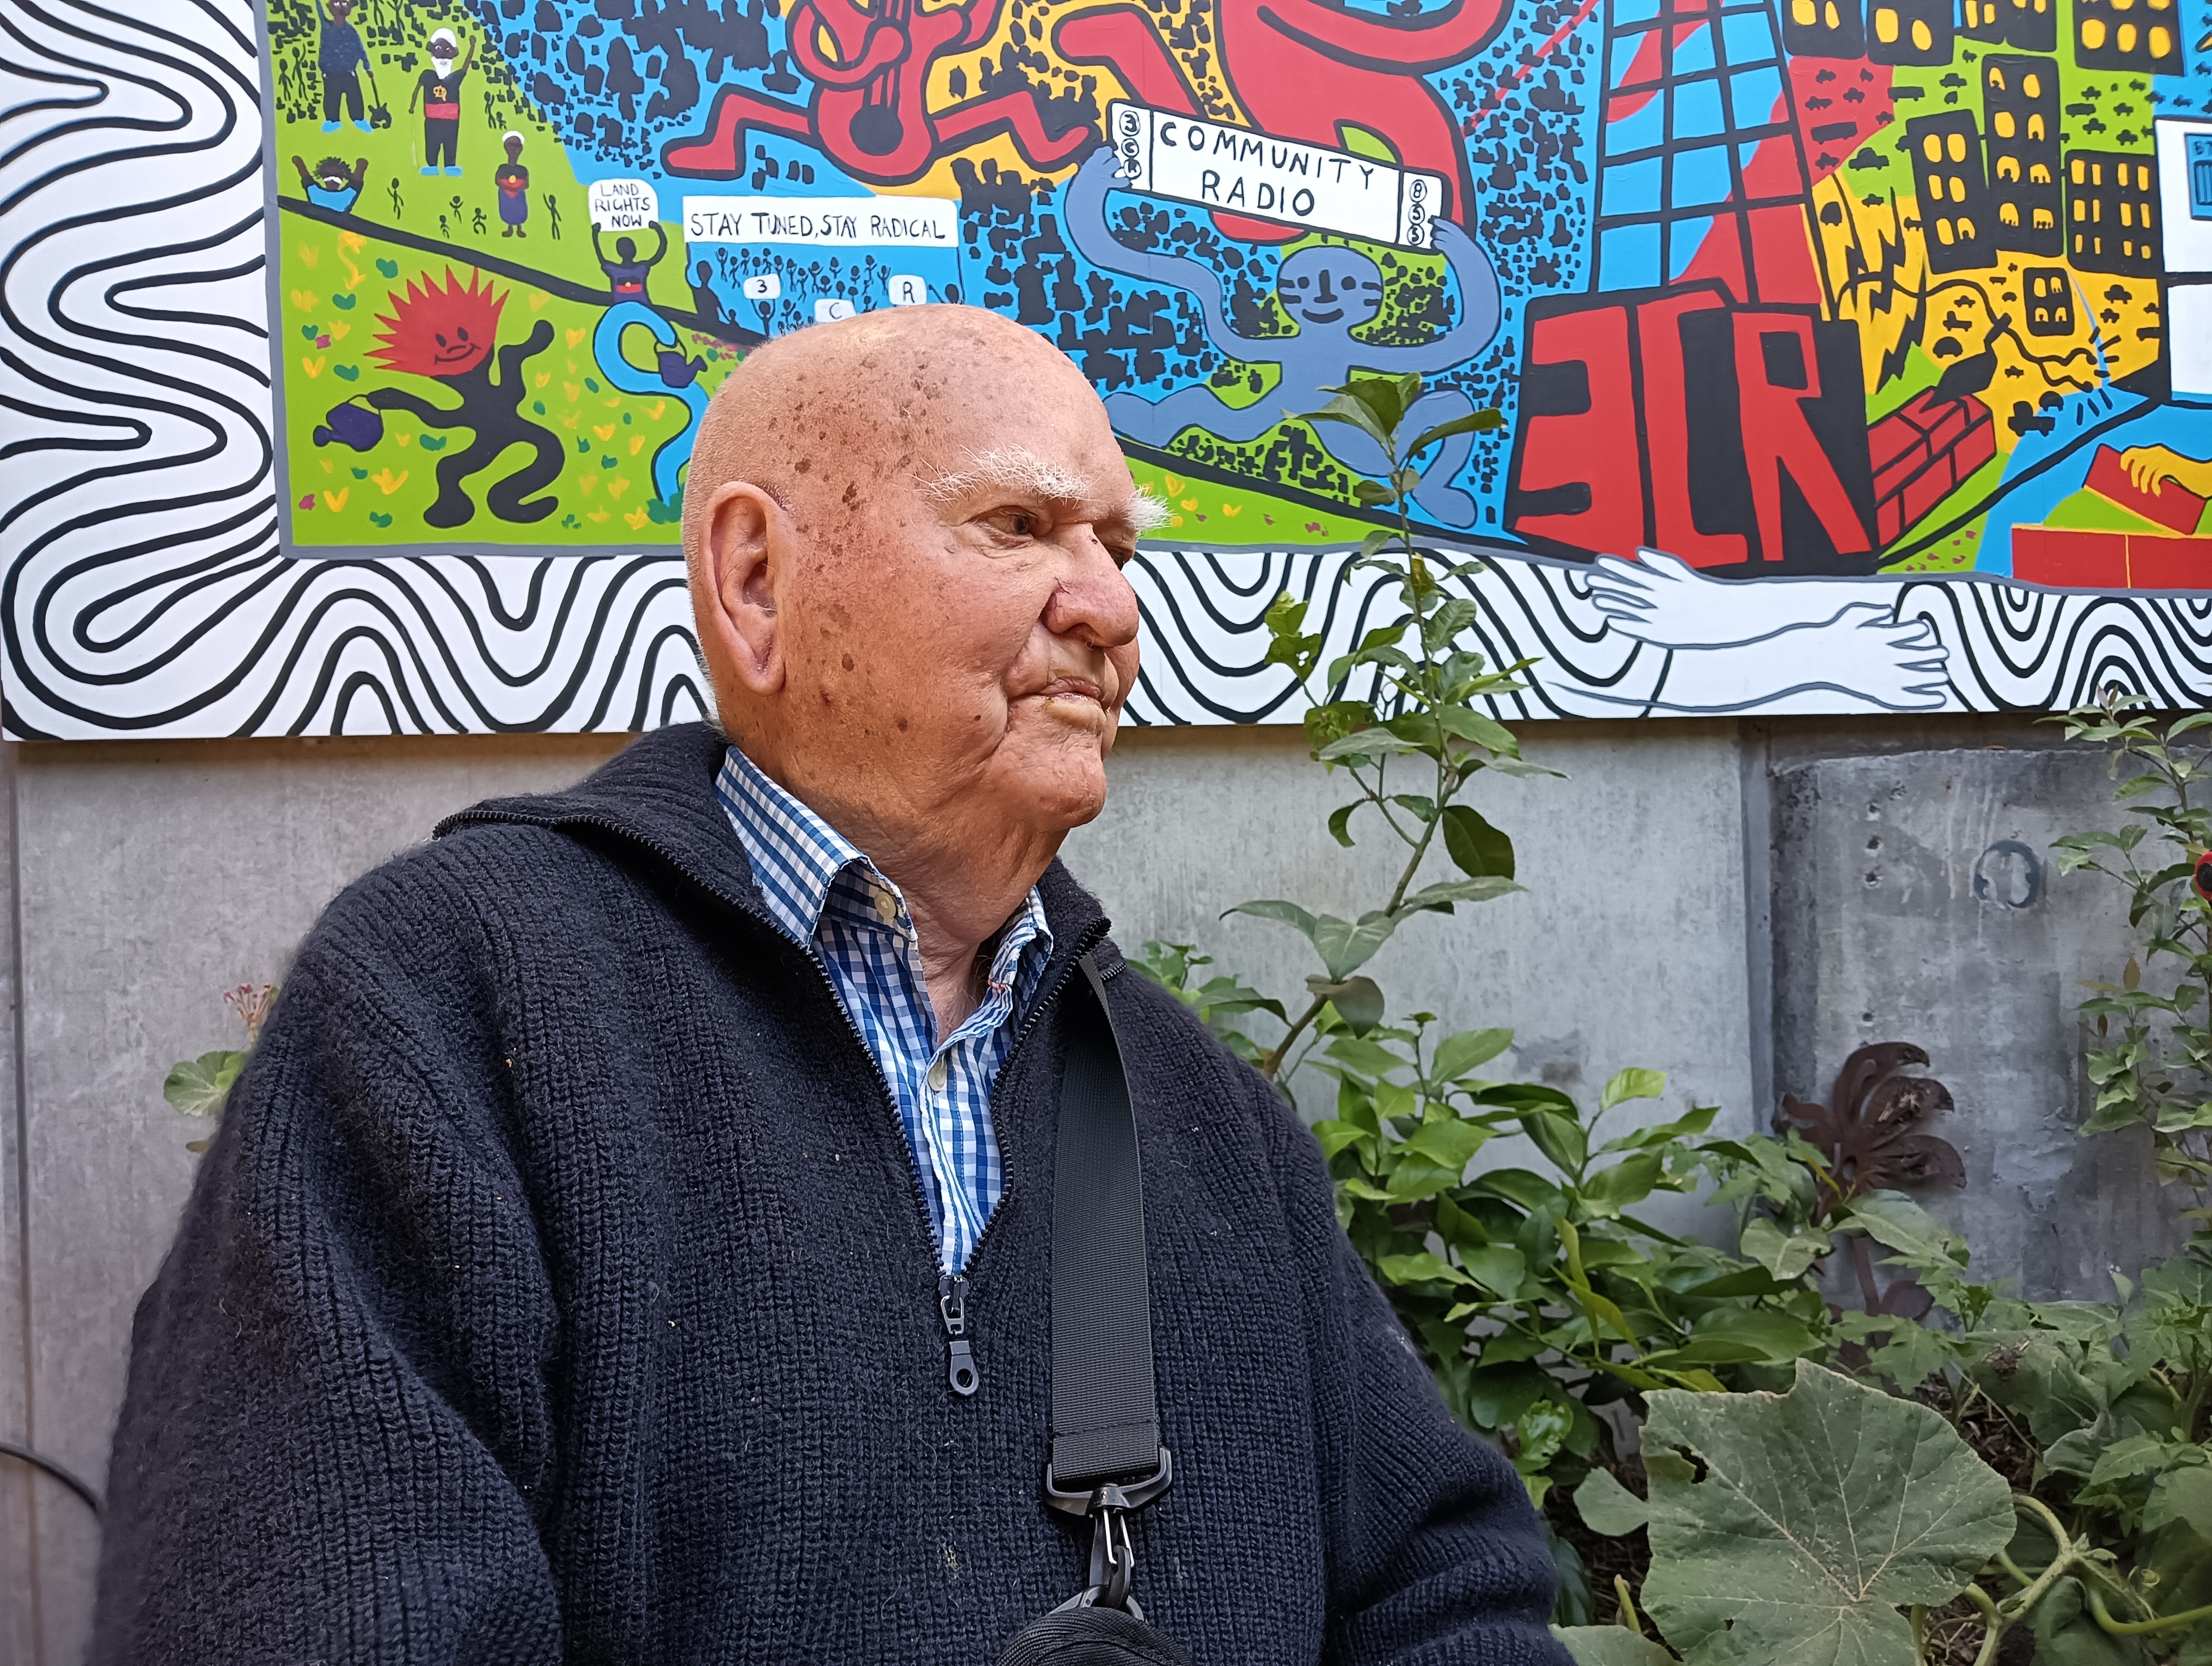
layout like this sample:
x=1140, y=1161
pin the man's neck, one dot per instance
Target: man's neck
x=961, y=882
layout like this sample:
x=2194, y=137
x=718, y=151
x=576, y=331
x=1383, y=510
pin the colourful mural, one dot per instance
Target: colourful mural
x=1780, y=287
x=1856, y=356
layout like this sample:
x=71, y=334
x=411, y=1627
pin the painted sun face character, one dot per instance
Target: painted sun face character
x=455, y=353
x=1330, y=287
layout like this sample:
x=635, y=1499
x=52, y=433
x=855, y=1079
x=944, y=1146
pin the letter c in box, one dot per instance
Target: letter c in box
x=828, y=310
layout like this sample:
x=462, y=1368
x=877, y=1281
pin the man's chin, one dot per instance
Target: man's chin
x=1056, y=787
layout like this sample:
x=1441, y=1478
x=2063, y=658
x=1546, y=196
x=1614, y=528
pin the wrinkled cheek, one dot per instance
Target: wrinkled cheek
x=1124, y=661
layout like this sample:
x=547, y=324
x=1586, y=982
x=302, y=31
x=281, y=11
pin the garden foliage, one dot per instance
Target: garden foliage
x=1782, y=1438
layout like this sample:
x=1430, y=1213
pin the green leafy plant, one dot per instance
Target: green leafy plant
x=2153, y=1066
x=1539, y=1296
x=2087, y=1420
x=1557, y=1315
x=201, y=1086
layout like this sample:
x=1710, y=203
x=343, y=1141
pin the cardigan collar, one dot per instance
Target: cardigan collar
x=659, y=795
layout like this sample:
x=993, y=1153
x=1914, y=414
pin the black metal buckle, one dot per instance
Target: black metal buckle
x=1113, y=1558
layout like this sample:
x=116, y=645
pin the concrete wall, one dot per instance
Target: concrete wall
x=1738, y=905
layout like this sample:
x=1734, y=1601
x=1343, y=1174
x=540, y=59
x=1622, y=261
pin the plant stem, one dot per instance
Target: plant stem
x=1992, y=1621
x=1273, y=1062
x=1628, y=1614
x=2142, y=1627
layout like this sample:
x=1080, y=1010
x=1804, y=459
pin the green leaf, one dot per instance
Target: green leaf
x=1346, y=946
x=1367, y=1057
x=1326, y=725
x=1561, y=1139
x=2066, y=1635
x=1340, y=823
x=2136, y=1454
x=1457, y=1055
x=1632, y=1084
x=1479, y=849
x=1894, y=1219
x=1358, y=1000
x=1444, y=894
x=1607, y=1507
x=2181, y=1495
x=1501, y=1268
x=1376, y=742
x=1819, y=1513
x=1450, y=1143
x=1475, y=421
x=1485, y=733
x=1274, y=909
x=1422, y=1269
x=1611, y=1646
x=1352, y=412
x=1335, y=1134
x=198, y=1087
x=1784, y=1256
x=1628, y=1181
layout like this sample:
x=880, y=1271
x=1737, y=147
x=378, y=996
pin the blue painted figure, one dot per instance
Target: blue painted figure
x=673, y=373
x=1329, y=292
x=331, y=184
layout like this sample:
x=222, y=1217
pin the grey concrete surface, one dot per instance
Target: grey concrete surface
x=154, y=876
x=1592, y=968
x=1916, y=899
x=1699, y=901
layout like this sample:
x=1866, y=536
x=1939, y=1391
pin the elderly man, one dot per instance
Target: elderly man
x=588, y=1263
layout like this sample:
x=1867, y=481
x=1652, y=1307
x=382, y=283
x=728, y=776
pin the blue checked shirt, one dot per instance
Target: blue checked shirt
x=830, y=898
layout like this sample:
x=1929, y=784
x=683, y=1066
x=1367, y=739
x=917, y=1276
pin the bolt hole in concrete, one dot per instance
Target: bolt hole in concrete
x=2010, y=874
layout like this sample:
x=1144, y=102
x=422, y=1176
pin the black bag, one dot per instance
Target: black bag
x=1107, y=1460
x=1091, y=1637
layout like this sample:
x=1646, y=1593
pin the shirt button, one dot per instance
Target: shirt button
x=937, y=1074
x=886, y=906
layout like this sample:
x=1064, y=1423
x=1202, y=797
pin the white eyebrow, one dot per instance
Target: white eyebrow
x=1010, y=468
x=1018, y=470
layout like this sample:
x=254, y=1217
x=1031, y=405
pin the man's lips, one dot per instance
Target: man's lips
x=1082, y=686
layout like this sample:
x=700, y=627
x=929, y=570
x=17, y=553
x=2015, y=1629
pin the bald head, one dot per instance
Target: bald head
x=830, y=413
x=906, y=532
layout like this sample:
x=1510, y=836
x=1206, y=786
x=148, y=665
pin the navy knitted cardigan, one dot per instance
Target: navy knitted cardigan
x=558, y=1287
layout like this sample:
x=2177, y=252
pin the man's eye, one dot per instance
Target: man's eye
x=1016, y=523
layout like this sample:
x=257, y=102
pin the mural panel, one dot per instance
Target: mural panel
x=1883, y=328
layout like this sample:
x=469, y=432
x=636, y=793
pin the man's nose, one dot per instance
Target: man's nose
x=1093, y=601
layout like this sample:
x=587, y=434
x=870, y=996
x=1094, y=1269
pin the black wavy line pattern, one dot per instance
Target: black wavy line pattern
x=144, y=592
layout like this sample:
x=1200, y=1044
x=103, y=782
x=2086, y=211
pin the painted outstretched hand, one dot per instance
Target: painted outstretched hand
x=1770, y=637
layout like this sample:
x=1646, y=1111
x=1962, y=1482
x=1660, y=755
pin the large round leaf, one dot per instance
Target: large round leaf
x=1787, y=1528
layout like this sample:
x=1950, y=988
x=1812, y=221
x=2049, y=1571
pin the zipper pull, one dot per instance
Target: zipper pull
x=952, y=1303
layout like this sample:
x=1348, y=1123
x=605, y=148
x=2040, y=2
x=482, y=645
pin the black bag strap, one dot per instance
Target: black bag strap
x=1107, y=1458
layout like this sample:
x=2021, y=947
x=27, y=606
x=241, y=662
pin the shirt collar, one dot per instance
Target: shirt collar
x=799, y=861
x=795, y=854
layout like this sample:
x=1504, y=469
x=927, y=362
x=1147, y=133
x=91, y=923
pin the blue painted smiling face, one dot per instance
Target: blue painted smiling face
x=1330, y=288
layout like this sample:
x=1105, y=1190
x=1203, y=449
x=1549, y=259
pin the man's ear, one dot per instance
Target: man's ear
x=747, y=540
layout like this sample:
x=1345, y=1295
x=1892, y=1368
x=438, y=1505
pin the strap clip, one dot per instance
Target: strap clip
x=1113, y=1557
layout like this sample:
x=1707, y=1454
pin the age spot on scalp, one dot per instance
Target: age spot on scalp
x=852, y=493
x=848, y=662
x=803, y=464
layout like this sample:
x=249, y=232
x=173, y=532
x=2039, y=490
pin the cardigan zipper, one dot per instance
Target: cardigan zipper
x=1086, y=940
x=951, y=1287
